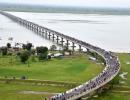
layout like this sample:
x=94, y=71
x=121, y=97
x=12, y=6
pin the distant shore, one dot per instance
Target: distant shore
x=56, y=9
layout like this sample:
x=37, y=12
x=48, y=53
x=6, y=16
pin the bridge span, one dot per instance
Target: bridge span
x=111, y=69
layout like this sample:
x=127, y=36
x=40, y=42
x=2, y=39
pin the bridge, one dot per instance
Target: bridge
x=111, y=69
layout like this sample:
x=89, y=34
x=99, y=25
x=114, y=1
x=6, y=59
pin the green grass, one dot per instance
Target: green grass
x=75, y=69
x=14, y=91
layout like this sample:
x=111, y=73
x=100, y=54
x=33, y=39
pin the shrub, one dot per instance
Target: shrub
x=42, y=52
x=8, y=45
x=24, y=56
x=4, y=51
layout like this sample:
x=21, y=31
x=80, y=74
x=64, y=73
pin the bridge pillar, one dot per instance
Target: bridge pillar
x=25, y=24
x=73, y=46
x=37, y=29
x=67, y=44
x=57, y=39
x=87, y=49
x=49, y=36
x=80, y=49
x=31, y=27
x=62, y=41
x=34, y=28
x=28, y=25
x=42, y=32
x=46, y=34
x=53, y=37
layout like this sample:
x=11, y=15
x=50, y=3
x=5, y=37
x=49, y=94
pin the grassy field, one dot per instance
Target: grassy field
x=73, y=69
x=16, y=91
x=76, y=68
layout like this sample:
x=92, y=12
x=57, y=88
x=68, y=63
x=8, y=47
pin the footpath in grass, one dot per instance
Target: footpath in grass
x=16, y=91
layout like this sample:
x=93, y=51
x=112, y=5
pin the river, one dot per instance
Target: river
x=110, y=32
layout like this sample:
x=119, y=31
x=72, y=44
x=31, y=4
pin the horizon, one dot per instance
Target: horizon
x=72, y=3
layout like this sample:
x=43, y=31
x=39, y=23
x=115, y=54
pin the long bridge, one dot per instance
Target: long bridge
x=112, y=63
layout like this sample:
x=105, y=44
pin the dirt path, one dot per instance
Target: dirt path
x=36, y=92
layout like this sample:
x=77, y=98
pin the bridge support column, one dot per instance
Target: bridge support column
x=34, y=28
x=53, y=37
x=28, y=25
x=73, y=46
x=31, y=27
x=46, y=34
x=43, y=33
x=87, y=49
x=57, y=39
x=62, y=42
x=80, y=49
x=67, y=44
x=49, y=36
x=37, y=29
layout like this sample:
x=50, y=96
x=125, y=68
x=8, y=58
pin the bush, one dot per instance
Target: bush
x=4, y=51
x=8, y=45
x=42, y=52
x=33, y=58
x=49, y=57
x=24, y=56
x=29, y=46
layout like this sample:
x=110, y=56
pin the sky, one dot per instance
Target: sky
x=77, y=3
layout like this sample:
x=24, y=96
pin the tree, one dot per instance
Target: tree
x=29, y=46
x=33, y=51
x=53, y=47
x=24, y=56
x=4, y=51
x=49, y=57
x=8, y=45
x=24, y=46
x=41, y=49
x=42, y=52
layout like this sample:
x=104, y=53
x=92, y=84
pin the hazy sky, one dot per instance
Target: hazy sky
x=100, y=3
